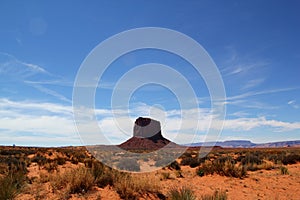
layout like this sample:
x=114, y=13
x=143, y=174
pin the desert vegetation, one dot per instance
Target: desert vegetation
x=72, y=172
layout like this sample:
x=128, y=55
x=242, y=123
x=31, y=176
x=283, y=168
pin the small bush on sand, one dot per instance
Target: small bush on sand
x=183, y=193
x=284, y=170
x=217, y=195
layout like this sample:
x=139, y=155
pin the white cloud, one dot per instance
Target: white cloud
x=29, y=121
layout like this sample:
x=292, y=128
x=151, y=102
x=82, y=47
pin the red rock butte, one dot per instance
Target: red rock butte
x=146, y=136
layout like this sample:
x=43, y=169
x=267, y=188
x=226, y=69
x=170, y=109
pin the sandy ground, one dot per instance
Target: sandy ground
x=262, y=184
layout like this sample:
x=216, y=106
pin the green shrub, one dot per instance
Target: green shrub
x=183, y=193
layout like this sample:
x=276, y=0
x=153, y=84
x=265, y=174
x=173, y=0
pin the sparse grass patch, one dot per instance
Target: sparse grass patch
x=129, y=187
x=183, y=193
x=217, y=195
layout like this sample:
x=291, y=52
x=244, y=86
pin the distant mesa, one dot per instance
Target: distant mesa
x=146, y=136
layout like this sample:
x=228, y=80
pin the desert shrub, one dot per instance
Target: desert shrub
x=200, y=172
x=3, y=168
x=74, y=161
x=129, y=187
x=284, y=170
x=15, y=164
x=251, y=159
x=232, y=170
x=217, y=195
x=205, y=169
x=223, y=159
x=11, y=184
x=183, y=193
x=51, y=166
x=187, y=154
x=128, y=165
x=79, y=180
x=107, y=178
x=222, y=167
x=192, y=162
x=174, y=165
x=103, y=176
x=60, y=160
x=275, y=158
x=11, y=152
x=291, y=159
x=39, y=159
x=97, y=169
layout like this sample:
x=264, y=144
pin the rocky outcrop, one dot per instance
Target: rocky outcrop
x=146, y=136
x=146, y=128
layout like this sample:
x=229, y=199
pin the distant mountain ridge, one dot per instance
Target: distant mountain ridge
x=248, y=144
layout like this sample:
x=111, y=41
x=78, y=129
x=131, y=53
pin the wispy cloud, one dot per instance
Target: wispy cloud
x=9, y=64
x=294, y=104
x=242, y=68
x=17, y=71
x=263, y=92
x=253, y=83
x=51, y=92
x=58, y=82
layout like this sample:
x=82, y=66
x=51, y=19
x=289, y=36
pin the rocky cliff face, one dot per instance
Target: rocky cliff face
x=146, y=128
x=146, y=136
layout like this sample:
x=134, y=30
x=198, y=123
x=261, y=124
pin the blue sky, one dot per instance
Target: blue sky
x=255, y=45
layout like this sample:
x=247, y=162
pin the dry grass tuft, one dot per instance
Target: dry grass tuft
x=183, y=193
x=217, y=195
x=79, y=180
